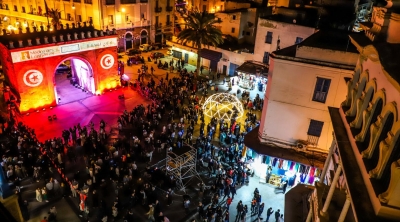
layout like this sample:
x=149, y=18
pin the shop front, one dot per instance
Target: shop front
x=186, y=53
x=275, y=165
x=252, y=74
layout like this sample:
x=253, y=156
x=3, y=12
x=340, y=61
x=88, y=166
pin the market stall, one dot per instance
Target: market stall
x=252, y=74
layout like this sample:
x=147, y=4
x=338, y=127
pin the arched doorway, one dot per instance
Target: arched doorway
x=73, y=80
x=143, y=37
x=128, y=41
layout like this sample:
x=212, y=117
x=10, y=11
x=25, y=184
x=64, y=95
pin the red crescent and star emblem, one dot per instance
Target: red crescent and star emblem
x=107, y=61
x=33, y=78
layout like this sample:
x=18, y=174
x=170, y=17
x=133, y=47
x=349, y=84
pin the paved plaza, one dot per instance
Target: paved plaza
x=109, y=107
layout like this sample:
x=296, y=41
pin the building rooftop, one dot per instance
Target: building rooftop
x=298, y=16
x=323, y=39
x=82, y=31
x=332, y=39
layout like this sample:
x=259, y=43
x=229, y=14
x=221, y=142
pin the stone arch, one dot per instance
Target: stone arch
x=351, y=84
x=363, y=101
x=143, y=36
x=370, y=115
x=379, y=129
x=128, y=37
x=356, y=93
x=389, y=151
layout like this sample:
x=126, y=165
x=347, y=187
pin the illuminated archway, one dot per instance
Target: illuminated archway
x=223, y=106
x=81, y=77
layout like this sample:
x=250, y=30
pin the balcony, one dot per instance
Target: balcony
x=77, y=1
x=110, y=2
x=128, y=1
x=169, y=8
x=168, y=23
x=144, y=1
x=158, y=26
x=88, y=1
x=158, y=9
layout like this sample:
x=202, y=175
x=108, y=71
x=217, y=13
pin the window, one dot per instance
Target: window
x=23, y=9
x=247, y=33
x=233, y=30
x=69, y=17
x=168, y=19
x=268, y=38
x=298, y=40
x=110, y=20
x=243, y=32
x=204, y=8
x=79, y=19
x=233, y=17
x=314, y=131
x=126, y=18
x=15, y=8
x=321, y=89
x=6, y=6
x=90, y=19
x=266, y=58
x=315, y=128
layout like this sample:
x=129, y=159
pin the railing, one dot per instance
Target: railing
x=88, y=1
x=158, y=9
x=144, y=1
x=128, y=25
x=168, y=23
x=169, y=8
x=128, y=1
x=110, y=2
x=77, y=1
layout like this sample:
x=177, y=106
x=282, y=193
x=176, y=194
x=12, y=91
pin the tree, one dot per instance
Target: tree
x=200, y=29
x=54, y=14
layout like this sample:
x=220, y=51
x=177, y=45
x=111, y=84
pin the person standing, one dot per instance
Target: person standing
x=269, y=213
x=150, y=214
x=260, y=210
x=228, y=202
x=39, y=195
x=277, y=215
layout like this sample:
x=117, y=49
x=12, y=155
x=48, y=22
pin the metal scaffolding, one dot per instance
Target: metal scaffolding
x=181, y=164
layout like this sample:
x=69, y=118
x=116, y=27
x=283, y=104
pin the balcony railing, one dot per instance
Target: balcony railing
x=128, y=1
x=88, y=1
x=169, y=8
x=158, y=9
x=77, y=1
x=168, y=23
x=110, y=2
x=130, y=25
x=144, y=1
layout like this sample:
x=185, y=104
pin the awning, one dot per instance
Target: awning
x=251, y=140
x=210, y=54
x=253, y=68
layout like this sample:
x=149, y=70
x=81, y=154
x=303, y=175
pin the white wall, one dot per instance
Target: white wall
x=286, y=32
x=288, y=105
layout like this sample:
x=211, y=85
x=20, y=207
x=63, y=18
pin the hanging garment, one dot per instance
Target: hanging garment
x=267, y=160
x=296, y=168
x=292, y=180
x=312, y=171
x=274, y=162
x=280, y=163
x=303, y=178
x=311, y=180
x=292, y=164
x=264, y=159
x=317, y=172
x=285, y=165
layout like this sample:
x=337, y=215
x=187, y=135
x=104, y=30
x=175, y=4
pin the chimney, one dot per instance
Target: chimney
x=55, y=27
x=75, y=36
x=82, y=35
x=61, y=27
x=29, y=42
x=84, y=24
x=19, y=30
x=41, y=28
x=95, y=33
x=11, y=45
x=68, y=37
x=20, y=44
x=37, y=41
x=46, y=40
x=54, y=39
x=89, y=34
x=61, y=38
x=28, y=30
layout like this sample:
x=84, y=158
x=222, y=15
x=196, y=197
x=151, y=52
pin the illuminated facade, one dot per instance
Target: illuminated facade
x=162, y=20
x=30, y=60
x=361, y=176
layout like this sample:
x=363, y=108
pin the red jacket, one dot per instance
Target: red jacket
x=229, y=201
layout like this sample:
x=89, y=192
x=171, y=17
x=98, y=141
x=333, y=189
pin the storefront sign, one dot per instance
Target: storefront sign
x=50, y=51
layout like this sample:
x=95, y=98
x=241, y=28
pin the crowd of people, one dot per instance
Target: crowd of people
x=95, y=166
